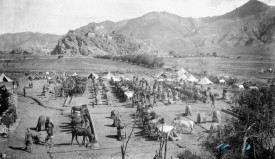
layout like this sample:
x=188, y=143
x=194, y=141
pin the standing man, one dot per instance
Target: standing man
x=212, y=100
x=17, y=83
x=24, y=91
x=155, y=100
x=50, y=135
x=28, y=141
x=13, y=83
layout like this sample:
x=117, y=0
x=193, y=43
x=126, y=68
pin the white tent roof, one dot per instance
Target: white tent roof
x=74, y=74
x=181, y=71
x=4, y=78
x=183, y=76
x=205, y=81
x=160, y=74
x=191, y=78
x=109, y=76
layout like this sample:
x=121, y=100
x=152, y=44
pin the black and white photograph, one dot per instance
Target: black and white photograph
x=137, y=79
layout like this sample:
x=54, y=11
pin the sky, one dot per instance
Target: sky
x=59, y=16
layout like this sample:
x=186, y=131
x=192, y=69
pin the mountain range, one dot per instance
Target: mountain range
x=247, y=30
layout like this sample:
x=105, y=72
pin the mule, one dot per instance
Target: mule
x=85, y=132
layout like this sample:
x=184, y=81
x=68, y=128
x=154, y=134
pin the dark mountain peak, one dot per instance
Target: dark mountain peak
x=252, y=7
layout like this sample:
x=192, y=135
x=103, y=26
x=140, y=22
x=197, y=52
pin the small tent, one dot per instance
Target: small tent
x=4, y=78
x=205, y=81
x=191, y=78
x=216, y=116
x=188, y=110
x=181, y=71
x=74, y=74
x=183, y=77
x=201, y=118
x=108, y=76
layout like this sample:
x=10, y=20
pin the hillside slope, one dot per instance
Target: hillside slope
x=249, y=28
x=28, y=41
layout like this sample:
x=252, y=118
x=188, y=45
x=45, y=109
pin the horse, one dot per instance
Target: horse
x=164, y=129
x=182, y=124
x=82, y=132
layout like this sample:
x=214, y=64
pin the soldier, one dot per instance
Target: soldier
x=50, y=135
x=17, y=83
x=212, y=100
x=155, y=100
x=24, y=91
x=28, y=141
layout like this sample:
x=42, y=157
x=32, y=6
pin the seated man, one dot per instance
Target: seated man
x=3, y=130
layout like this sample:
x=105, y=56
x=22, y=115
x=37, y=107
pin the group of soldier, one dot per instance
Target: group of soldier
x=32, y=137
x=100, y=90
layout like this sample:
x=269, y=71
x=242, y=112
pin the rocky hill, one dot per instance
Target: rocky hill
x=20, y=43
x=94, y=39
x=249, y=30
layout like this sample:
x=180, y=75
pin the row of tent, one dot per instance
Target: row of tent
x=182, y=74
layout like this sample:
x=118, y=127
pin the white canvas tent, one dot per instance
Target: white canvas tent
x=183, y=77
x=181, y=71
x=191, y=78
x=205, y=81
x=4, y=78
x=108, y=76
x=74, y=74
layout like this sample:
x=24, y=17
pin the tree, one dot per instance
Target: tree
x=254, y=127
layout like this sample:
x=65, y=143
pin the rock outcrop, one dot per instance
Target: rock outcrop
x=94, y=39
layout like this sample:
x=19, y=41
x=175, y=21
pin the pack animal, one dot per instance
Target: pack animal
x=85, y=132
x=184, y=124
x=78, y=108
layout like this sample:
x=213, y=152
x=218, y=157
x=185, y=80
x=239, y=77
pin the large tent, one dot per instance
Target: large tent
x=205, y=81
x=4, y=78
x=183, y=77
x=181, y=71
x=191, y=78
x=108, y=76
